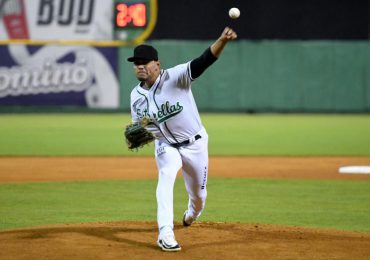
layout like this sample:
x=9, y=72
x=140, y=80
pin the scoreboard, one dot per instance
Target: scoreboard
x=134, y=20
x=130, y=15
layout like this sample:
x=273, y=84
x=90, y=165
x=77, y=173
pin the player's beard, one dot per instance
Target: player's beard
x=142, y=76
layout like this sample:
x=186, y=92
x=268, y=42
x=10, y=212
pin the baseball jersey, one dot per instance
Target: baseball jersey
x=170, y=104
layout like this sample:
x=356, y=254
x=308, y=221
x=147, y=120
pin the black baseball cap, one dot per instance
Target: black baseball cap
x=144, y=52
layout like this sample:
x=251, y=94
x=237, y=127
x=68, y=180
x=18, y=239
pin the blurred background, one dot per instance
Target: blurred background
x=290, y=56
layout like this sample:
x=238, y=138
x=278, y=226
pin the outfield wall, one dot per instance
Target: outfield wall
x=294, y=76
x=250, y=76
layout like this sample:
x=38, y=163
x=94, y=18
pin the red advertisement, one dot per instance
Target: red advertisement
x=15, y=21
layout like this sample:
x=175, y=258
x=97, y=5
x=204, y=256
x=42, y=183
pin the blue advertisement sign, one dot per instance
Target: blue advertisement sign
x=56, y=75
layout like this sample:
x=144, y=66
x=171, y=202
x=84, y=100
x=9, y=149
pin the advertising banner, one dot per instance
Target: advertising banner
x=55, y=75
x=56, y=19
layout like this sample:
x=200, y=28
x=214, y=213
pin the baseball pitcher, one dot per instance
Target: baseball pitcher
x=163, y=109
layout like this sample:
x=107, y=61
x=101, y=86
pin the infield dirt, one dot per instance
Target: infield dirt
x=136, y=240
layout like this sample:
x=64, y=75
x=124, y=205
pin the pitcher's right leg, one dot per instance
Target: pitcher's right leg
x=168, y=163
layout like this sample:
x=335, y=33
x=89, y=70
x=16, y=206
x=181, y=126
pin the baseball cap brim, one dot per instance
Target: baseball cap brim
x=132, y=59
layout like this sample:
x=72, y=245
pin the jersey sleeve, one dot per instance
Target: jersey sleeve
x=133, y=100
x=182, y=75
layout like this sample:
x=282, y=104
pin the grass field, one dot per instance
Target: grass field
x=230, y=134
x=330, y=204
x=341, y=205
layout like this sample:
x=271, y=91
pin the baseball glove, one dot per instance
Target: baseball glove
x=137, y=136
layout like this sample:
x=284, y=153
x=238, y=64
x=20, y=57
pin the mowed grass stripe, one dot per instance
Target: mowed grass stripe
x=343, y=205
x=230, y=134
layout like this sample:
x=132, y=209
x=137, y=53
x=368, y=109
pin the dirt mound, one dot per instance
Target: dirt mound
x=137, y=240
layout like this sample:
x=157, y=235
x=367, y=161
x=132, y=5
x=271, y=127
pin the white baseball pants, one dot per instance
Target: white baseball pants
x=193, y=159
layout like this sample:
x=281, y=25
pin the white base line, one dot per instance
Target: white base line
x=355, y=169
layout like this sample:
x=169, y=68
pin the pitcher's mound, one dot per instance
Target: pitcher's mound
x=137, y=240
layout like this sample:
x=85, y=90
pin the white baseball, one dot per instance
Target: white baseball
x=234, y=13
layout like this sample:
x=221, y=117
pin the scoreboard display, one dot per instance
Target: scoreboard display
x=134, y=20
x=130, y=15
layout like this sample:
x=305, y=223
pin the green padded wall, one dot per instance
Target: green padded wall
x=272, y=76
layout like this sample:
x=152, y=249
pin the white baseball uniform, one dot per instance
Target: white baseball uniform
x=181, y=140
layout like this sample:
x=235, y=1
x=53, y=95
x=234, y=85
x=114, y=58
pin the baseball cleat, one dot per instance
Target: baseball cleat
x=168, y=243
x=187, y=221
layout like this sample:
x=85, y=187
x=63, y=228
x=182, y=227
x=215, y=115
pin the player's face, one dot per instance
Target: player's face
x=147, y=71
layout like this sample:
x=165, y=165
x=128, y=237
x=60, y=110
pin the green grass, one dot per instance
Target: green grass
x=289, y=134
x=343, y=205
x=62, y=134
x=329, y=204
x=230, y=134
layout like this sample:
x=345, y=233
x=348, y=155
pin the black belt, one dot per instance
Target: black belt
x=186, y=142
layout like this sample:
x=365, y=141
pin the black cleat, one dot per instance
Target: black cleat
x=187, y=222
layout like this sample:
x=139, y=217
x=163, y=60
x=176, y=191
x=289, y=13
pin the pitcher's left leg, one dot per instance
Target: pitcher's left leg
x=195, y=172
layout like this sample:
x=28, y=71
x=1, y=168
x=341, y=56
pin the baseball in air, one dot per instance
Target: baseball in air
x=234, y=13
